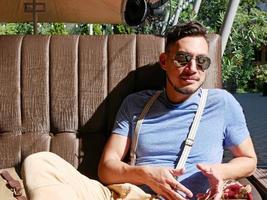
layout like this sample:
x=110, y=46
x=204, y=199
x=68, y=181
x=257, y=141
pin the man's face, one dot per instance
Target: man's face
x=189, y=76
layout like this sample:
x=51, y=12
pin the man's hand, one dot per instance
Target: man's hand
x=162, y=181
x=215, y=179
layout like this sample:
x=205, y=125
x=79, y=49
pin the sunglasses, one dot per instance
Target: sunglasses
x=183, y=58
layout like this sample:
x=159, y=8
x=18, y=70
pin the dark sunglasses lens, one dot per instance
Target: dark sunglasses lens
x=203, y=61
x=183, y=58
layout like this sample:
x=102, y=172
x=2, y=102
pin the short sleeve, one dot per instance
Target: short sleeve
x=122, y=122
x=236, y=130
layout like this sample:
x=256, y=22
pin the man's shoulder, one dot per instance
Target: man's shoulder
x=219, y=92
x=222, y=95
x=138, y=99
x=143, y=94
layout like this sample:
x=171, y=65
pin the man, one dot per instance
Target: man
x=162, y=135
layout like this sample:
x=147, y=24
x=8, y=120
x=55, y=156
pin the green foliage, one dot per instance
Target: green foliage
x=188, y=14
x=123, y=29
x=107, y=29
x=260, y=75
x=24, y=28
x=82, y=29
x=78, y=29
x=211, y=14
x=16, y=29
x=27, y=28
x=97, y=29
x=54, y=29
x=248, y=33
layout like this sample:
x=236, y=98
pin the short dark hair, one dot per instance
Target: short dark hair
x=179, y=31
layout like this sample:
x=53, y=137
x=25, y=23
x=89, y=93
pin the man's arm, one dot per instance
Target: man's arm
x=242, y=165
x=244, y=162
x=111, y=167
x=113, y=170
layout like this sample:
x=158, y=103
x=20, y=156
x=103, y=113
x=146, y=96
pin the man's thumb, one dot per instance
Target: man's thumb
x=204, y=168
x=178, y=172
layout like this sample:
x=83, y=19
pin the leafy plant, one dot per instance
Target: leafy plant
x=97, y=29
x=8, y=29
x=260, y=75
x=57, y=29
x=248, y=33
x=24, y=28
x=122, y=29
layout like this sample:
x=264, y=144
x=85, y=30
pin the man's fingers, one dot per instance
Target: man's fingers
x=204, y=168
x=166, y=193
x=177, y=172
x=171, y=194
x=176, y=186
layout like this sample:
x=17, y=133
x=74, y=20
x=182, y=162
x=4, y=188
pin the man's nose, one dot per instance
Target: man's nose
x=192, y=65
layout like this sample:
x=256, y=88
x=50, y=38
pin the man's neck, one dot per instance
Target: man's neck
x=176, y=97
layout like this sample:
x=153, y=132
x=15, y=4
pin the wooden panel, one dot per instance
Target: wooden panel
x=35, y=84
x=92, y=82
x=148, y=49
x=214, y=74
x=33, y=142
x=259, y=180
x=149, y=74
x=121, y=58
x=66, y=145
x=10, y=115
x=261, y=175
x=121, y=61
x=10, y=146
x=64, y=83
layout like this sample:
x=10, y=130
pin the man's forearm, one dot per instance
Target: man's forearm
x=237, y=168
x=114, y=171
x=244, y=162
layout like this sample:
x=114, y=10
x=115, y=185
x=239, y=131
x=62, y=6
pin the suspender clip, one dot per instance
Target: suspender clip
x=189, y=142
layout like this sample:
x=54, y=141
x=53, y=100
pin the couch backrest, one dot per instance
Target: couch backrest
x=61, y=93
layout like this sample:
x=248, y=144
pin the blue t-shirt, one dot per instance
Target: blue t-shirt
x=166, y=127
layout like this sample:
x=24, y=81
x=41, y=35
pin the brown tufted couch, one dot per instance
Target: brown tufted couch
x=61, y=93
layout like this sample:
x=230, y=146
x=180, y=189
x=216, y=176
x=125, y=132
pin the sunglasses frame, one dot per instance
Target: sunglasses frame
x=187, y=57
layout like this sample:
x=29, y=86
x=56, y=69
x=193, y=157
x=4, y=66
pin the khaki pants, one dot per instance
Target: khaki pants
x=47, y=176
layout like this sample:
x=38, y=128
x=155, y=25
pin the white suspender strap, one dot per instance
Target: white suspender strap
x=138, y=126
x=192, y=133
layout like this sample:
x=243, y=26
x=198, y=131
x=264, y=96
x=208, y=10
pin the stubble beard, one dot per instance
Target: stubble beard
x=184, y=90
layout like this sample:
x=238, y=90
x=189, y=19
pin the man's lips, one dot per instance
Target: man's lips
x=189, y=78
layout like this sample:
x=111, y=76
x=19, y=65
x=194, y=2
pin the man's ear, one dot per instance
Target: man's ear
x=162, y=60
